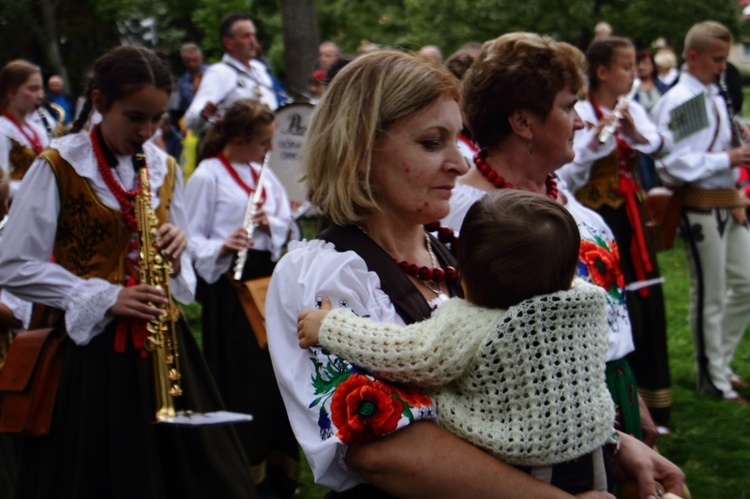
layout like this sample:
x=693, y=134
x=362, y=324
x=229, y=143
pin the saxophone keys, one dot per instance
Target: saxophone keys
x=151, y=343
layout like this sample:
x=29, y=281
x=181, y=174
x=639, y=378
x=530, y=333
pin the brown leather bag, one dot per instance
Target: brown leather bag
x=28, y=381
x=663, y=208
x=252, y=295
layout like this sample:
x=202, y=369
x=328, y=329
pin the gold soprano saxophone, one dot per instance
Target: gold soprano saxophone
x=155, y=271
x=250, y=210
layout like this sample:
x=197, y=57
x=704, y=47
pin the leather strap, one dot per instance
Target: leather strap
x=408, y=300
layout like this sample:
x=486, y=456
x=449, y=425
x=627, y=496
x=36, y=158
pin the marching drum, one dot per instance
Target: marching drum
x=292, y=122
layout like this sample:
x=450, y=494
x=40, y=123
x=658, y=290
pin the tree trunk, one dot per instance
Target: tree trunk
x=301, y=39
x=54, y=59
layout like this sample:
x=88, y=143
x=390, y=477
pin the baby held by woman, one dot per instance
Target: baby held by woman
x=517, y=367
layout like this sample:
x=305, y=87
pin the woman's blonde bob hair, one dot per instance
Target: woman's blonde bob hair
x=368, y=96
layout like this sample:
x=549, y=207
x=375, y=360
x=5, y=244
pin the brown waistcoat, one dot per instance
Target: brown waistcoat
x=91, y=240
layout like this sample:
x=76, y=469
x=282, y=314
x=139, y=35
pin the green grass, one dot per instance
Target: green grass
x=710, y=438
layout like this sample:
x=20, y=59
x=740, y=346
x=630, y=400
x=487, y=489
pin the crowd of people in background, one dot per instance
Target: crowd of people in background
x=399, y=144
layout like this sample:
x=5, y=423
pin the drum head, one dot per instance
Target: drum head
x=292, y=122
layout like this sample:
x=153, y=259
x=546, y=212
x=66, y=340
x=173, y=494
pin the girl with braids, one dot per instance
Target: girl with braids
x=220, y=189
x=604, y=178
x=78, y=205
x=21, y=140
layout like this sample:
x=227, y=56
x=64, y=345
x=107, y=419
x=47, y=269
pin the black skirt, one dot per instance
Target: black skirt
x=649, y=361
x=103, y=442
x=244, y=375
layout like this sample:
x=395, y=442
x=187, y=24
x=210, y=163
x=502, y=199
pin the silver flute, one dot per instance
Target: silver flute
x=611, y=127
x=250, y=210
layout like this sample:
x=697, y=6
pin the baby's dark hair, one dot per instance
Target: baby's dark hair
x=514, y=245
x=245, y=119
x=120, y=73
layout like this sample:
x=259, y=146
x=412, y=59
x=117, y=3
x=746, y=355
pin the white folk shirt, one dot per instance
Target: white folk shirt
x=21, y=309
x=217, y=208
x=8, y=131
x=309, y=272
x=576, y=174
x=597, y=235
x=691, y=161
x=29, y=236
x=223, y=84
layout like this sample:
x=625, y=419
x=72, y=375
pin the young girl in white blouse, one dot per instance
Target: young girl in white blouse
x=21, y=140
x=220, y=189
x=517, y=368
x=71, y=244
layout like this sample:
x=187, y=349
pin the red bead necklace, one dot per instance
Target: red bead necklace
x=125, y=198
x=34, y=140
x=435, y=273
x=500, y=183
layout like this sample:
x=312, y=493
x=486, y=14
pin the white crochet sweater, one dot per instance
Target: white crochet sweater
x=526, y=384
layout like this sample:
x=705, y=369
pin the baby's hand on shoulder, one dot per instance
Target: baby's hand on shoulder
x=308, y=324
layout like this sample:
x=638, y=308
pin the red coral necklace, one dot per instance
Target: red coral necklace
x=500, y=183
x=126, y=199
x=425, y=274
x=34, y=140
x=436, y=273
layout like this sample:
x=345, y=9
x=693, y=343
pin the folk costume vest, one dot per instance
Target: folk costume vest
x=603, y=187
x=20, y=158
x=91, y=240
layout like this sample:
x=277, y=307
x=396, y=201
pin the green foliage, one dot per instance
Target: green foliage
x=410, y=24
x=87, y=28
x=18, y=23
x=207, y=16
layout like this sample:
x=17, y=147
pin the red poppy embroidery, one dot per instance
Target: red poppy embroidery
x=603, y=266
x=363, y=409
x=413, y=398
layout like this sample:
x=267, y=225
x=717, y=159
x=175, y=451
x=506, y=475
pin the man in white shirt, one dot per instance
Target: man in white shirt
x=328, y=53
x=717, y=240
x=239, y=75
